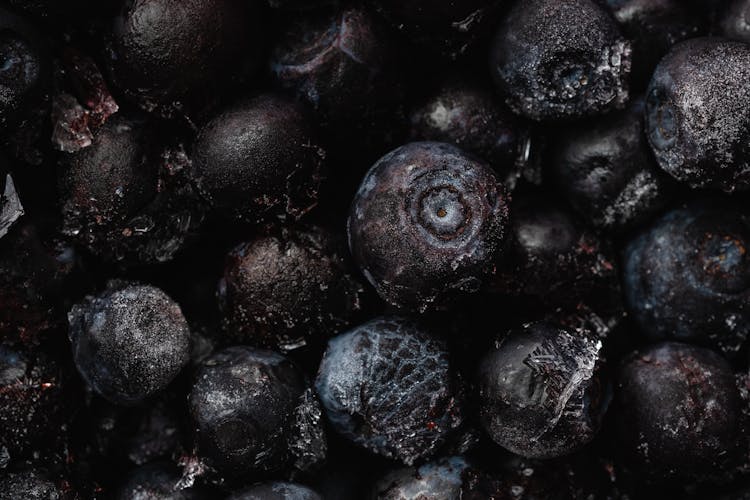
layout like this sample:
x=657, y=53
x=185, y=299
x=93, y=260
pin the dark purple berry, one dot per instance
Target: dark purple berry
x=253, y=413
x=258, y=158
x=284, y=289
x=558, y=59
x=275, y=491
x=542, y=391
x=129, y=342
x=704, y=145
x=427, y=224
x=388, y=387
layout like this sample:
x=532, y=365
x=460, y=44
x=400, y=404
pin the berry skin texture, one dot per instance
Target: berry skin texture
x=158, y=481
x=608, y=173
x=129, y=342
x=259, y=158
x=678, y=412
x=387, y=386
x=276, y=491
x=541, y=391
x=283, y=289
x=703, y=146
x=560, y=59
x=449, y=214
x=166, y=51
x=29, y=485
x=253, y=413
x=686, y=277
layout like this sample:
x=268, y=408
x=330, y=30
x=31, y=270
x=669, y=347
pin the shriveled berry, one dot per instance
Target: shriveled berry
x=450, y=215
x=129, y=342
x=388, y=387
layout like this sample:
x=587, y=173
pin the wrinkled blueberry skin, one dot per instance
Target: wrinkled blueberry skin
x=276, y=491
x=438, y=480
x=253, y=414
x=388, y=387
x=542, y=391
x=449, y=27
x=129, y=342
x=560, y=59
x=734, y=20
x=554, y=258
x=339, y=64
x=282, y=290
x=678, y=412
x=158, y=481
x=703, y=146
x=30, y=485
x=426, y=225
x=607, y=171
x=653, y=26
x=166, y=53
x=32, y=402
x=686, y=277
x=258, y=158
x=469, y=116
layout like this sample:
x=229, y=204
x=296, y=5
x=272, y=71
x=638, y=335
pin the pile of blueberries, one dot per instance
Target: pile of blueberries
x=374, y=249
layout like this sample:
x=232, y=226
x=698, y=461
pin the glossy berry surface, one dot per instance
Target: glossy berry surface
x=560, y=59
x=704, y=147
x=678, y=411
x=276, y=491
x=685, y=276
x=282, y=290
x=253, y=413
x=257, y=158
x=450, y=213
x=388, y=386
x=129, y=342
x=542, y=391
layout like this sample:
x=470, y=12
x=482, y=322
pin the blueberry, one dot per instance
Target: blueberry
x=253, y=413
x=654, y=26
x=449, y=27
x=686, y=277
x=542, y=391
x=275, y=491
x=449, y=213
x=678, y=412
x=438, y=480
x=30, y=485
x=608, y=173
x=560, y=59
x=168, y=53
x=286, y=288
x=259, y=157
x=158, y=481
x=129, y=342
x=467, y=115
x=703, y=146
x=388, y=387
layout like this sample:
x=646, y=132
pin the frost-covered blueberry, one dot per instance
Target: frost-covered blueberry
x=276, y=490
x=438, y=480
x=30, y=485
x=158, y=481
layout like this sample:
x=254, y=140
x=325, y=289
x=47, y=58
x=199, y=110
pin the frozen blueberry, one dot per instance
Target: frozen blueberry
x=30, y=485
x=678, y=413
x=165, y=53
x=438, y=480
x=259, y=157
x=654, y=26
x=558, y=59
x=285, y=288
x=446, y=26
x=32, y=402
x=253, y=413
x=554, y=258
x=129, y=342
x=388, y=387
x=426, y=225
x=705, y=145
x=608, y=173
x=686, y=277
x=467, y=115
x=276, y=491
x=158, y=481
x=542, y=391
